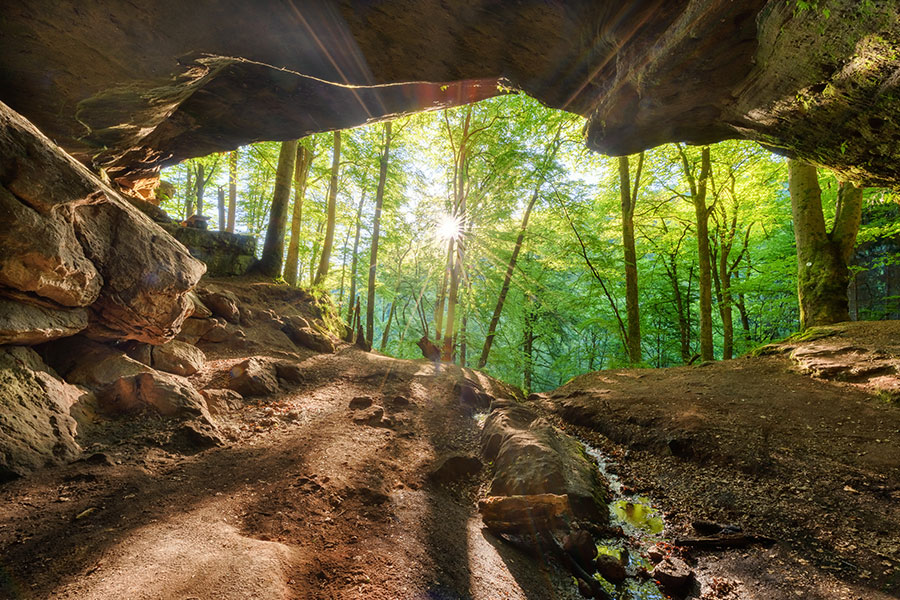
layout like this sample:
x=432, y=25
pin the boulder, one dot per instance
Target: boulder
x=303, y=334
x=36, y=428
x=531, y=457
x=27, y=324
x=68, y=238
x=224, y=254
x=471, y=394
x=674, y=575
x=168, y=394
x=220, y=401
x=524, y=515
x=289, y=372
x=222, y=303
x=253, y=377
x=89, y=363
x=178, y=358
x=192, y=330
x=217, y=333
x=369, y=416
x=199, y=310
x=361, y=402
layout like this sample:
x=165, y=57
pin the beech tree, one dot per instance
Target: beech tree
x=302, y=165
x=822, y=256
x=376, y=232
x=325, y=258
x=628, y=191
x=273, y=249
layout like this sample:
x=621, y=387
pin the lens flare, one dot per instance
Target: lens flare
x=448, y=227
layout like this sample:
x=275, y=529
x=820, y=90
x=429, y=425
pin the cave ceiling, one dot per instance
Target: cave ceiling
x=129, y=87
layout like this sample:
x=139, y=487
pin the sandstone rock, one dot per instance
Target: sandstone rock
x=361, y=402
x=369, y=416
x=674, y=575
x=289, y=372
x=224, y=254
x=455, y=468
x=220, y=401
x=75, y=241
x=217, y=334
x=92, y=364
x=168, y=394
x=222, y=303
x=302, y=334
x=28, y=324
x=139, y=351
x=472, y=394
x=525, y=514
x=199, y=311
x=200, y=434
x=36, y=428
x=253, y=377
x=178, y=358
x=39, y=251
x=533, y=457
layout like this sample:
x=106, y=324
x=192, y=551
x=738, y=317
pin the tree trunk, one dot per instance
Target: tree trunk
x=632, y=311
x=270, y=263
x=442, y=293
x=221, y=209
x=822, y=273
x=325, y=259
x=201, y=187
x=507, y=279
x=315, y=250
x=301, y=172
x=376, y=232
x=232, y=190
x=387, y=327
x=447, y=351
x=189, y=194
x=353, y=263
x=701, y=212
x=528, y=344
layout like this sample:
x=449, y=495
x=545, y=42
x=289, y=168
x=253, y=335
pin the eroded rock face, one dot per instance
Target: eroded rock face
x=69, y=241
x=532, y=459
x=36, y=428
x=32, y=324
x=818, y=86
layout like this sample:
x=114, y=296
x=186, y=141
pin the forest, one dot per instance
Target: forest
x=493, y=231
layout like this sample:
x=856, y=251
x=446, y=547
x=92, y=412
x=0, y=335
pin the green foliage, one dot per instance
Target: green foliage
x=555, y=297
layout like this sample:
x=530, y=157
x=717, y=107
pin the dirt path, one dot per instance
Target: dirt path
x=306, y=503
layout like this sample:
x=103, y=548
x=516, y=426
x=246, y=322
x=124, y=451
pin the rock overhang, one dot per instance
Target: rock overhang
x=130, y=88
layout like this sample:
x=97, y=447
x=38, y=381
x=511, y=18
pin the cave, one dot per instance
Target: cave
x=167, y=400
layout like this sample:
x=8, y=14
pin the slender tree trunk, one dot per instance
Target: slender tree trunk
x=376, y=233
x=201, y=187
x=189, y=194
x=447, y=351
x=822, y=273
x=232, y=190
x=353, y=263
x=701, y=212
x=317, y=243
x=528, y=344
x=301, y=172
x=725, y=308
x=387, y=327
x=325, y=259
x=273, y=248
x=631, y=274
x=507, y=280
x=221, y=199
x=442, y=293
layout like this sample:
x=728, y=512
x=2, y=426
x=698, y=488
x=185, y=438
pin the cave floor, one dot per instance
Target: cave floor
x=312, y=499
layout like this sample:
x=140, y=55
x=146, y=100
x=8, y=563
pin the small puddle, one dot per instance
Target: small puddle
x=643, y=526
